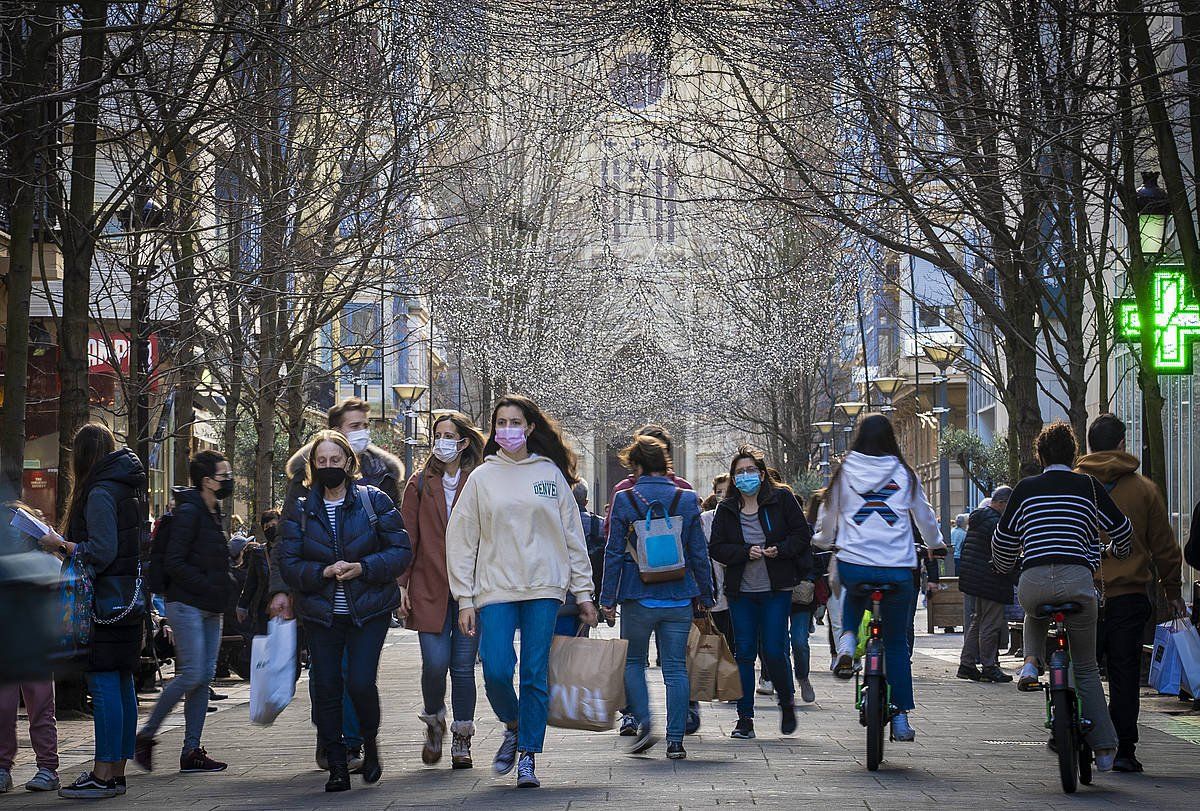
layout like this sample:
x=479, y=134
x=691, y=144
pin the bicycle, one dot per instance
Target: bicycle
x=1064, y=709
x=873, y=695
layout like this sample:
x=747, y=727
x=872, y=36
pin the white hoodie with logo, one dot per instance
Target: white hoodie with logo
x=871, y=512
x=515, y=534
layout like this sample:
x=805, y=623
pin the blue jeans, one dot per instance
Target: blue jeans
x=498, y=624
x=357, y=647
x=897, y=609
x=197, y=635
x=762, y=618
x=801, y=628
x=351, y=735
x=452, y=651
x=114, y=714
x=670, y=627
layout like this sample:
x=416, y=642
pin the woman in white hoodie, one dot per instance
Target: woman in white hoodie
x=872, y=505
x=514, y=549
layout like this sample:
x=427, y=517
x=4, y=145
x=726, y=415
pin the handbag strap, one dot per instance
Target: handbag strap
x=1100, y=595
x=133, y=603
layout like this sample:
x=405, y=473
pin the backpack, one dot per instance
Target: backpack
x=156, y=576
x=594, y=536
x=656, y=544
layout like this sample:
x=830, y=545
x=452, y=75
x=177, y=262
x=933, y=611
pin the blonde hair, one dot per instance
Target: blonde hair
x=336, y=437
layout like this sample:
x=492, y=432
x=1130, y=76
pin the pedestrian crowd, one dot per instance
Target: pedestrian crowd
x=492, y=538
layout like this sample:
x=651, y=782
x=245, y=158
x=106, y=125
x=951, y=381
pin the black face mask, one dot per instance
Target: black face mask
x=331, y=477
x=269, y=533
x=224, y=490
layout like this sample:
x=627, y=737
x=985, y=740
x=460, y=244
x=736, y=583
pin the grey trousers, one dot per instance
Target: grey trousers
x=1059, y=583
x=981, y=639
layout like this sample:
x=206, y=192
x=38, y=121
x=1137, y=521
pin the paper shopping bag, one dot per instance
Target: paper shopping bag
x=712, y=671
x=587, y=682
x=272, y=671
x=1165, y=669
x=1187, y=648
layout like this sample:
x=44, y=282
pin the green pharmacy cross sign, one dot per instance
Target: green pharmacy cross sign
x=1176, y=320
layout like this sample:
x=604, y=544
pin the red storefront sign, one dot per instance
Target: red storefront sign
x=108, y=353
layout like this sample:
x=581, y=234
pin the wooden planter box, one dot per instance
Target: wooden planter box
x=945, y=608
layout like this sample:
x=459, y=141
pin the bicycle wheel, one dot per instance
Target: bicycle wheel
x=876, y=720
x=1063, y=728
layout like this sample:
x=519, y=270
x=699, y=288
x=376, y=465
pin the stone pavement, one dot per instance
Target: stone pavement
x=978, y=745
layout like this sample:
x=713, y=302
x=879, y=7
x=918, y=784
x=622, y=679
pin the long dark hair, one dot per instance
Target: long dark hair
x=760, y=461
x=92, y=443
x=471, y=455
x=876, y=437
x=545, y=440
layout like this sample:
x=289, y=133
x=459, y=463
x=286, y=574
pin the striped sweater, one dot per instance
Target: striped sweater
x=1057, y=518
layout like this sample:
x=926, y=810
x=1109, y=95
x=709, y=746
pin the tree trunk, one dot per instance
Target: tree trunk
x=78, y=237
x=25, y=137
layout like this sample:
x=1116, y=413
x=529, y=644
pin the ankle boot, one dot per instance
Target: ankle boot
x=460, y=745
x=339, y=777
x=372, y=769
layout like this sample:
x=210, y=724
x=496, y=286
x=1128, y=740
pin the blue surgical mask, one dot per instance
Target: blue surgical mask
x=748, y=483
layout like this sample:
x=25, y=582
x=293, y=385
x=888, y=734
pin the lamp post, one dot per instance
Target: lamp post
x=943, y=357
x=825, y=429
x=1154, y=216
x=408, y=394
x=888, y=386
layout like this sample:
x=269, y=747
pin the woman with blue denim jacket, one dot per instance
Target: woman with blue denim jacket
x=664, y=609
x=344, y=547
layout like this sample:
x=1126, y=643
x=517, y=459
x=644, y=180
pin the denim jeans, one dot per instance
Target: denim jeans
x=897, y=621
x=197, y=636
x=801, y=628
x=762, y=617
x=452, y=651
x=498, y=624
x=359, y=647
x=670, y=627
x=114, y=714
x=351, y=734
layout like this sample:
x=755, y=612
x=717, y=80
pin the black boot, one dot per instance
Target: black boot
x=371, y=770
x=339, y=776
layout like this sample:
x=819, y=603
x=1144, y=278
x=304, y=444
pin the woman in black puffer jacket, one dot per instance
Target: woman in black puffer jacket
x=343, y=548
x=103, y=521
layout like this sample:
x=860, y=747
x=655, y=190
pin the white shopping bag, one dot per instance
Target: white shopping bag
x=1187, y=645
x=272, y=671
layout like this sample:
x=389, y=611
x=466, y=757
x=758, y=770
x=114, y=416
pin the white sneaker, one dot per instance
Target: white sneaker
x=1104, y=759
x=44, y=780
x=765, y=688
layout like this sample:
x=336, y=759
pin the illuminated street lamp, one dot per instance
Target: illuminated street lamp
x=851, y=409
x=825, y=429
x=1154, y=216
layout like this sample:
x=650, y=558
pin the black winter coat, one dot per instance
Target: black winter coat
x=197, y=556
x=975, y=573
x=384, y=552
x=784, y=526
x=108, y=529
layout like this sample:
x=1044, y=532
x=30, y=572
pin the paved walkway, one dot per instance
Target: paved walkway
x=978, y=746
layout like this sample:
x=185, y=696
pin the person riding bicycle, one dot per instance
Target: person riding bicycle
x=871, y=506
x=1056, y=519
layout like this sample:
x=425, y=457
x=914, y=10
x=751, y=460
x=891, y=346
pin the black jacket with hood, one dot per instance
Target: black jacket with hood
x=108, y=525
x=784, y=526
x=197, y=556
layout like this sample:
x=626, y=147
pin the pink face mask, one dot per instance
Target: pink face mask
x=510, y=437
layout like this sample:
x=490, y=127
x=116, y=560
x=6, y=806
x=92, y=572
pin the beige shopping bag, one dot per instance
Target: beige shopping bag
x=587, y=682
x=712, y=670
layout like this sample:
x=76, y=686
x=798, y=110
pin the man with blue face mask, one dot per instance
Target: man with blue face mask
x=377, y=467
